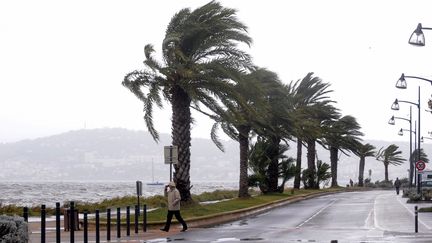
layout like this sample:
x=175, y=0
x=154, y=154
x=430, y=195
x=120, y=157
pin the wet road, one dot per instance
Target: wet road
x=372, y=216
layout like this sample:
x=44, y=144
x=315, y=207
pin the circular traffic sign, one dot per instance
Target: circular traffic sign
x=420, y=165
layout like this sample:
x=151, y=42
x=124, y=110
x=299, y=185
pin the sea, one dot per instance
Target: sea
x=30, y=193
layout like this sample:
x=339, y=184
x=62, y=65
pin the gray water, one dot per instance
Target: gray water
x=50, y=192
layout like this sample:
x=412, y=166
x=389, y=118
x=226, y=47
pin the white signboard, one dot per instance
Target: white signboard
x=171, y=154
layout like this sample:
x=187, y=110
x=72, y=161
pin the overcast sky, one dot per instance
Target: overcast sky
x=62, y=62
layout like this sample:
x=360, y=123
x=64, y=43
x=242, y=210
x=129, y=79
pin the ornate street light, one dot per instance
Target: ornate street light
x=417, y=37
x=392, y=122
x=402, y=84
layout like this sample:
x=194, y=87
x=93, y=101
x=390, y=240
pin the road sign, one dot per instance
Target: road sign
x=171, y=154
x=420, y=165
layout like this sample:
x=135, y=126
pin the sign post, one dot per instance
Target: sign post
x=420, y=165
x=139, y=193
x=171, y=156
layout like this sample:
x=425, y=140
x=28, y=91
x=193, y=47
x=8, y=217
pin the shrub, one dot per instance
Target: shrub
x=427, y=194
x=414, y=198
x=13, y=229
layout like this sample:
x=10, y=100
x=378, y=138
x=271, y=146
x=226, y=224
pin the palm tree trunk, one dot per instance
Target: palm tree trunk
x=181, y=120
x=298, y=164
x=334, y=164
x=311, y=152
x=386, y=172
x=244, y=147
x=361, y=170
x=273, y=167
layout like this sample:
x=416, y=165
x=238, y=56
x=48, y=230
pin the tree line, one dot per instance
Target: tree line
x=204, y=69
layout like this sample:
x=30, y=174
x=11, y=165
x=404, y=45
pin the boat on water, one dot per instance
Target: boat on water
x=154, y=183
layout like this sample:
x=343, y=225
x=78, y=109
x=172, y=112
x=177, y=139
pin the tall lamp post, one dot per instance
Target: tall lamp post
x=412, y=160
x=417, y=37
x=395, y=106
x=411, y=165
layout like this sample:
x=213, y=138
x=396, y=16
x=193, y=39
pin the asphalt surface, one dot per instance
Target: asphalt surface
x=368, y=216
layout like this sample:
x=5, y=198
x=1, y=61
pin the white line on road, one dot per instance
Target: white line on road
x=412, y=213
x=319, y=211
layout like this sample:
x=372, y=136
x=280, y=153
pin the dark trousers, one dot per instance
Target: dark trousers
x=179, y=218
x=397, y=190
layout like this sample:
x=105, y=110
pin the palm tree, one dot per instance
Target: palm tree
x=390, y=155
x=237, y=121
x=200, y=61
x=305, y=92
x=315, y=118
x=363, y=151
x=341, y=135
x=260, y=158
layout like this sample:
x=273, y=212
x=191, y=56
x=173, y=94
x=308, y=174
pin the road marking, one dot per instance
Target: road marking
x=313, y=216
x=412, y=213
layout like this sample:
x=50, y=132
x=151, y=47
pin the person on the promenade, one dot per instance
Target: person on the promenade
x=397, y=185
x=174, y=198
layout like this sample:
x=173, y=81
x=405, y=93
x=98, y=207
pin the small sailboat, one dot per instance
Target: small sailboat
x=154, y=183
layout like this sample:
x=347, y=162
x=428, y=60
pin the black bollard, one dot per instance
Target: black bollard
x=118, y=223
x=108, y=224
x=145, y=218
x=43, y=223
x=97, y=227
x=85, y=227
x=416, y=218
x=136, y=219
x=57, y=215
x=72, y=222
x=127, y=221
x=25, y=214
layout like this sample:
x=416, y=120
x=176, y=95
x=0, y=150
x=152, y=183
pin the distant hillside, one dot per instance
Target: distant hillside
x=121, y=154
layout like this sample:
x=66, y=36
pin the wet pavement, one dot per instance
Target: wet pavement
x=371, y=216
x=368, y=216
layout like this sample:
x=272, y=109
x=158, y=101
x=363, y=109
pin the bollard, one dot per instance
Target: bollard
x=43, y=223
x=57, y=216
x=416, y=218
x=127, y=221
x=97, y=227
x=118, y=223
x=108, y=224
x=145, y=218
x=25, y=214
x=85, y=227
x=72, y=222
x=136, y=219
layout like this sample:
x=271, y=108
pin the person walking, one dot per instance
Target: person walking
x=397, y=184
x=174, y=198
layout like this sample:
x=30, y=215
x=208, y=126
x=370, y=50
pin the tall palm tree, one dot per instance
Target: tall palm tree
x=342, y=135
x=315, y=118
x=200, y=61
x=390, y=156
x=363, y=151
x=238, y=122
x=305, y=92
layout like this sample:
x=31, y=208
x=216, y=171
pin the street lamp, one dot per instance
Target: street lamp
x=423, y=138
x=392, y=122
x=402, y=84
x=417, y=37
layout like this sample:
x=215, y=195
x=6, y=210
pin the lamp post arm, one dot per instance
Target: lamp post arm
x=401, y=118
x=424, y=79
x=409, y=102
